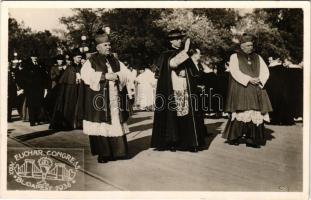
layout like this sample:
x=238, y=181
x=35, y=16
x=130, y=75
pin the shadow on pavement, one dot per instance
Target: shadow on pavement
x=143, y=127
x=10, y=130
x=268, y=134
x=138, y=145
x=34, y=135
x=141, y=144
x=212, y=131
x=136, y=120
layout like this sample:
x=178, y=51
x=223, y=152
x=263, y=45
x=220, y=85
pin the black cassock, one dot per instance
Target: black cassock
x=106, y=134
x=54, y=90
x=34, y=80
x=65, y=110
x=170, y=130
x=277, y=87
x=295, y=76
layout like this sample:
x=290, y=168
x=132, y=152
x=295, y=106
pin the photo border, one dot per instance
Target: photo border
x=151, y=194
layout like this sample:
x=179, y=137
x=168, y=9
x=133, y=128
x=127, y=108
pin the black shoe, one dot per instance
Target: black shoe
x=194, y=150
x=173, y=149
x=160, y=149
x=253, y=145
x=32, y=124
x=233, y=142
x=102, y=159
x=122, y=158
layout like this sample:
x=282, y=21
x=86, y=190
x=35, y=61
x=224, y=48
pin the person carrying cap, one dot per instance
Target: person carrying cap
x=178, y=122
x=247, y=101
x=104, y=77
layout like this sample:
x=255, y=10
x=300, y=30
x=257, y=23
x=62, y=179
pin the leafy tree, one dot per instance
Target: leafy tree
x=134, y=35
x=205, y=29
x=23, y=40
x=268, y=38
x=140, y=34
x=86, y=22
x=289, y=23
x=221, y=18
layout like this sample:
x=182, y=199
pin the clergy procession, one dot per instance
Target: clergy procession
x=98, y=93
x=196, y=99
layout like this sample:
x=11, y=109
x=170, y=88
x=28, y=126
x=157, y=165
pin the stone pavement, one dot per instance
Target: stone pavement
x=275, y=167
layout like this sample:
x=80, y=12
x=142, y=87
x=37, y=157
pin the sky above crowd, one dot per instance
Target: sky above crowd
x=48, y=19
x=41, y=19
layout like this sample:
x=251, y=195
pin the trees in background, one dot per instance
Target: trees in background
x=139, y=35
x=289, y=25
x=23, y=40
x=134, y=35
x=208, y=29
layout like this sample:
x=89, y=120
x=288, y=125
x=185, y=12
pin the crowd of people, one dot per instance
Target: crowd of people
x=98, y=93
x=53, y=91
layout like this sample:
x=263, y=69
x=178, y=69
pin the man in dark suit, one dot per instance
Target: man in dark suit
x=35, y=82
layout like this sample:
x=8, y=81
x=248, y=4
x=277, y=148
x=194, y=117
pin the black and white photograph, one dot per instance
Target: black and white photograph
x=185, y=99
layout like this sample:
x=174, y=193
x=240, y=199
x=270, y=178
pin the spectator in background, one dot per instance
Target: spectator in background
x=12, y=90
x=35, y=83
x=145, y=83
x=20, y=98
x=132, y=92
x=278, y=90
x=57, y=70
x=295, y=78
x=64, y=114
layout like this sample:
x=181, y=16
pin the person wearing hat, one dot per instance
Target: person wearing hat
x=247, y=101
x=34, y=81
x=57, y=70
x=177, y=122
x=64, y=113
x=104, y=77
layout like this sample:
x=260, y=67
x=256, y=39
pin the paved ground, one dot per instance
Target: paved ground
x=275, y=167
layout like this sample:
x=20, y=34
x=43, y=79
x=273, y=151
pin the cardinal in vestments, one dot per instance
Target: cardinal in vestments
x=178, y=120
x=104, y=78
x=247, y=101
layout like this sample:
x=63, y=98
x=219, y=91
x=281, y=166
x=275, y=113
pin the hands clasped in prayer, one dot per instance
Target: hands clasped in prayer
x=110, y=76
x=255, y=81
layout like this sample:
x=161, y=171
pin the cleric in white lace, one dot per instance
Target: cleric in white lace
x=247, y=101
x=92, y=78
